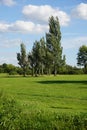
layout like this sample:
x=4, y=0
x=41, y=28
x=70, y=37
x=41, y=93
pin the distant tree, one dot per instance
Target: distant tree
x=53, y=41
x=11, y=69
x=1, y=69
x=23, y=59
x=4, y=66
x=82, y=56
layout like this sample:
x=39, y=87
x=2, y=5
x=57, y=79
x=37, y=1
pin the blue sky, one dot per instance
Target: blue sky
x=27, y=20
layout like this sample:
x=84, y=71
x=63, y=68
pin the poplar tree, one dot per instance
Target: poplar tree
x=23, y=59
x=36, y=58
x=53, y=42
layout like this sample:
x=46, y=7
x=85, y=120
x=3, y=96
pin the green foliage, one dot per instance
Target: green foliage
x=37, y=57
x=11, y=69
x=23, y=59
x=67, y=69
x=82, y=56
x=46, y=57
x=53, y=39
x=8, y=68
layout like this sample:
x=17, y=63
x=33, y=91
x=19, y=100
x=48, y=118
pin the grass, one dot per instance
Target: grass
x=43, y=103
x=60, y=94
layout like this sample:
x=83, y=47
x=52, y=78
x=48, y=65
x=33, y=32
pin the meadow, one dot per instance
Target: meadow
x=48, y=96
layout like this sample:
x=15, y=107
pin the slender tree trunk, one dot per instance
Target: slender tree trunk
x=32, y=71
x=36, y=72
x=24, y=73
x=49, y=71
x=39, y=71
x=55, y=71
x=42, y=69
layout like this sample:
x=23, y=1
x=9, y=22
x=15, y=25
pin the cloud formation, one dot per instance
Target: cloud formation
x=8, y=2
x=8, y=43
x=43, y=12
x=80, y=11
x=23, y=27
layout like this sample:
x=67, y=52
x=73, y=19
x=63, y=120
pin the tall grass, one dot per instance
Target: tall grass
x=13, y=118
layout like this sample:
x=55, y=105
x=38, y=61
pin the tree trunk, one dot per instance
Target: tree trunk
x=42, y=69
x=32, y=71
x=24, y=72
x=55, y=71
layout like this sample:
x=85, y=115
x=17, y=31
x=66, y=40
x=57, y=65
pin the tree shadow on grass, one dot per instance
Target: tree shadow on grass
x=74, y=82
x=63, y=82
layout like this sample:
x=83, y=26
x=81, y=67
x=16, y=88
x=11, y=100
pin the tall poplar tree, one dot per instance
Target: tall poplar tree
x=23, y=59
x=53, y=41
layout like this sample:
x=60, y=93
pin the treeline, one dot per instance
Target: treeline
x=15, y=70
x=10, y=69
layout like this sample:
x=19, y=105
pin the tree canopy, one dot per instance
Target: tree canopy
x=53, y=42
x=82, y=56
x=23, y=59
x=46, y=54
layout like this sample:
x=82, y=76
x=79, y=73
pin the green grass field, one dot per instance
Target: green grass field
x=61, y=94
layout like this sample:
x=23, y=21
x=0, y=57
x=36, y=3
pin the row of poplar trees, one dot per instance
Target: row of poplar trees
x=46, y=55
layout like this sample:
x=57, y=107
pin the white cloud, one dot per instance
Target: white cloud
x=80, y=11
x=42, y=13
x=8, y=43
x=8, y=59
x=3, y=27
x=8, y=2
x=74, y=42
x=9, y=50
x=23, y=27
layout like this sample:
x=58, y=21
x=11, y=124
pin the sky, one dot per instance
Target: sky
x=24, y=21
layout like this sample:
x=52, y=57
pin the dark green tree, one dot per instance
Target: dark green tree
x=53, y=41
x=82, y=56
x=23, y=59
x=11, y=69
x=36, y=58
x=4, y=66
